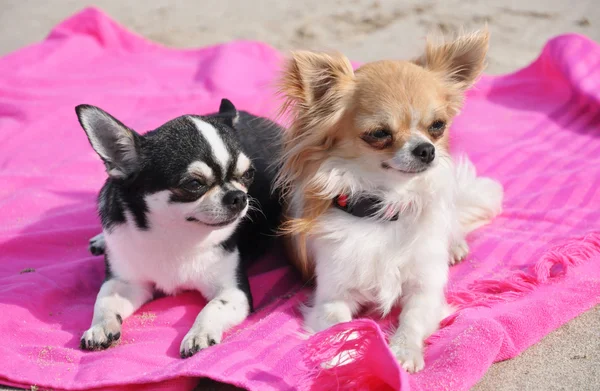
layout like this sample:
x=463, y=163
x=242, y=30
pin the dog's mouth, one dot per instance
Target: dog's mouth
x=417, y=170
x=219, y=224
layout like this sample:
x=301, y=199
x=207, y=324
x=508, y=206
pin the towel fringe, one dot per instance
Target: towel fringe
x=337, y=357
x=554, y=263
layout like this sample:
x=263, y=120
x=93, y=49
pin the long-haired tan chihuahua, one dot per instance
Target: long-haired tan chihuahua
x=377, y=208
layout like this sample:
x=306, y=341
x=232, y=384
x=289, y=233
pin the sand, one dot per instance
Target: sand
x=365, y=30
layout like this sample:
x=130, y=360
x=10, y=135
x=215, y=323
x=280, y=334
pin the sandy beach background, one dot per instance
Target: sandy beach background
x=365, y=30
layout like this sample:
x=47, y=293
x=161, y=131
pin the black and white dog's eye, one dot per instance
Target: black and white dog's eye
x=437, y=127
x=248, y=175
x=193, y=185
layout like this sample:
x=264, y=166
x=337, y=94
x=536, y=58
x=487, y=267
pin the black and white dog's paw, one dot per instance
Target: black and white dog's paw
x=197, y=339
x=101, y=336
x=97, y=245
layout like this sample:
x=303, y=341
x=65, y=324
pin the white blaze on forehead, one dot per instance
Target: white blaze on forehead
x=415, y=139
x=415, y=118
x=242, y=165
x=201, y=169
x=215, y=141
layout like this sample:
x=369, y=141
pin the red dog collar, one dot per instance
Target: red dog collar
x=361, y=206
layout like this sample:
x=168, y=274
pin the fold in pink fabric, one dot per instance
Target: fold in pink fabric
x=534, y=268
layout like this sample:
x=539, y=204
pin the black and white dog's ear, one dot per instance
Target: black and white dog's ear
x=228, y=112
x=114, y=142
x=227, y=107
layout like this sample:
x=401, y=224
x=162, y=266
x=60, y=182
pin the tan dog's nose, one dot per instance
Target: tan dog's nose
x=425, y=152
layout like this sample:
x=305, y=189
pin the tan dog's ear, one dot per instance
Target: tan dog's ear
x=460, y=61
x=316, y=82
x=316, y=88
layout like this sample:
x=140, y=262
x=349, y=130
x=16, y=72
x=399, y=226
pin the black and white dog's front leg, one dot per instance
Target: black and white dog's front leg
x=116, y=301
x=229, y=308
x=229, y=305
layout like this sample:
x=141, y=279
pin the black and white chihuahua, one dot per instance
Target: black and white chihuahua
x=185, y=207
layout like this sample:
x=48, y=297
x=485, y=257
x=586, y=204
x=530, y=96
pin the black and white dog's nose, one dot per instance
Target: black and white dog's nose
x=425, y=152
x=235, y=200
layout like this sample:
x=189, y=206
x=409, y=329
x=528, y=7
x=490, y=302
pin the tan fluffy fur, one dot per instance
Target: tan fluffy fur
x=331, y=107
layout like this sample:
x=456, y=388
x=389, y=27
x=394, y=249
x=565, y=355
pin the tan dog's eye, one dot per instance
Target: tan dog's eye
x=378, y=139
x=436, y=129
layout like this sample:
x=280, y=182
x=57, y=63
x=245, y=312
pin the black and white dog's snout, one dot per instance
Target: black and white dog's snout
x=235, y=201
x=425, y=152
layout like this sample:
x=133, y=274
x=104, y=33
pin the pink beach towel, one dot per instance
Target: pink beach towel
x=536, y=267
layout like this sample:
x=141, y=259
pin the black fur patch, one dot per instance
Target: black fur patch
x=108, y=274
x=243, y=284
x=137, y=205
x=230, y=244
x=110, y=206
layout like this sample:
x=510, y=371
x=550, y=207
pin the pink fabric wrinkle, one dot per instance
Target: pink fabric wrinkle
x=352, y=356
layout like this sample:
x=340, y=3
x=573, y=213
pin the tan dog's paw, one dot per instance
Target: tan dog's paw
x=411, y=359
x=459, y=252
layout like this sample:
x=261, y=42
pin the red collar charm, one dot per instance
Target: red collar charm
x=363, y=206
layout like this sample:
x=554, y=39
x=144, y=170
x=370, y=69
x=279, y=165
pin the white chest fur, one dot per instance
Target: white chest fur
x=362, y=261
x=375, y=261
x=172, y=259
